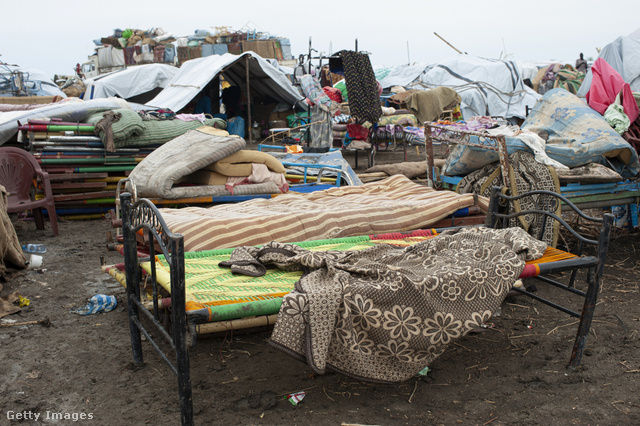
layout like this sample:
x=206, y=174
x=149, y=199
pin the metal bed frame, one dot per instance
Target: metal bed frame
x=438, y=133
x=143, y=216
x=502, y=213
x=586, y=196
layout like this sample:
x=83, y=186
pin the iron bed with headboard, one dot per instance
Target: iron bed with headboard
x=149, y=302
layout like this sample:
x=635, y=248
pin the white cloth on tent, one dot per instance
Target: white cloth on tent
x=195, y=74
x=400, y=75
x=488, y=87
x=130, y=82
x=532, y=140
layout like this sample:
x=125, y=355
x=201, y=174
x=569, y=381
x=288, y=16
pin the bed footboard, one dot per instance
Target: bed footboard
x=543, y=205
x=143, y=216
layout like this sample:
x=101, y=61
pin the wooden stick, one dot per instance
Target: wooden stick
x=451, y=46
x=373, y=174
x=237, y=324
x=272, y=136
x=45, y=322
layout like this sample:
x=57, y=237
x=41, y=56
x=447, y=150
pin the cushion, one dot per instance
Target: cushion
x=239, y=163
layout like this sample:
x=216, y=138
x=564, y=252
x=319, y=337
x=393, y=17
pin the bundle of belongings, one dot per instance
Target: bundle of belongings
x=207, y=162
x=125, y=127
x=560, y=134
x=241, y=168
x=557, y=75
x=562, y=127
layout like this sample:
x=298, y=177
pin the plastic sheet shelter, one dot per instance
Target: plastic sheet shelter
x=131, y=82
x=194, y=75
x=623, y=54
x=488, y=87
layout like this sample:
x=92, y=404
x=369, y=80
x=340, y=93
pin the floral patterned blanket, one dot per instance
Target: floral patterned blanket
x=384, y=313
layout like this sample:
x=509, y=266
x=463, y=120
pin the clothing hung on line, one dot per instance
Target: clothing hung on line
x=363, y=89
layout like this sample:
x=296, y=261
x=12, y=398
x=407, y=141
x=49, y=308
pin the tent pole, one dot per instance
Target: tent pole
x=246, y=61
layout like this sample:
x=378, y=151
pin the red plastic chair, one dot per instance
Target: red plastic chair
x=18, y=169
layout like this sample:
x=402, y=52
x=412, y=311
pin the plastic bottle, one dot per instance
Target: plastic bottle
x=34, y=248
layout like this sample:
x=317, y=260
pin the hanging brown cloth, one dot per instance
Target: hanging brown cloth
x=104, y=125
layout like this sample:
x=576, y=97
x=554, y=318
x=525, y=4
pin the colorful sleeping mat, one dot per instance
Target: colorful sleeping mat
x=214, y=293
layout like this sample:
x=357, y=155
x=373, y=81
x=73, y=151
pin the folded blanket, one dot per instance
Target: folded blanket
x=427, y=105
x=135, y=132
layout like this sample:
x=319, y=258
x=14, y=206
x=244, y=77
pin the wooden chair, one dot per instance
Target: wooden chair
x=502, y=214
x=18, y=172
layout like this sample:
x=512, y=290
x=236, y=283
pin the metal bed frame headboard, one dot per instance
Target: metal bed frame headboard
x=144, y=216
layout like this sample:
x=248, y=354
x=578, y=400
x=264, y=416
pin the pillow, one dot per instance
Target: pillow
x=239, y=163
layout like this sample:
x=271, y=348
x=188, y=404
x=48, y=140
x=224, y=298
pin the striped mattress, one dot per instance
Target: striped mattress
x=395, y=204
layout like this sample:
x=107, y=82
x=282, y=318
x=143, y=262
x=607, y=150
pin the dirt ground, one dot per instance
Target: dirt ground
x=515, y=372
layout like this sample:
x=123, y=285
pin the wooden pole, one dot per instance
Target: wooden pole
x=449, y=44
x=246, y=62
x=45, y=322
x=237, y=324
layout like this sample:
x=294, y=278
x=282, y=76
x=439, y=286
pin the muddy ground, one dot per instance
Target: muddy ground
x=515, y=372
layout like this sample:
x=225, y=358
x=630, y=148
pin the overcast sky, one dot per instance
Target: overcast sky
x=54, y=36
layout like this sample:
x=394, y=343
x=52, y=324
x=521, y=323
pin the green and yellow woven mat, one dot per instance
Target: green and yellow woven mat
x=207, y=284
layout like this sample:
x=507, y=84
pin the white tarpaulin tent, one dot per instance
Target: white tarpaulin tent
x=129, y=82
x=194, y=75
x=488, y=87
x=623, y=54
x=401, y=75
x=73, y=109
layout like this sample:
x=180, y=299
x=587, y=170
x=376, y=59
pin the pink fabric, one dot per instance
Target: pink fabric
x=191, y=117
x=260, y=173
x=605, y=86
